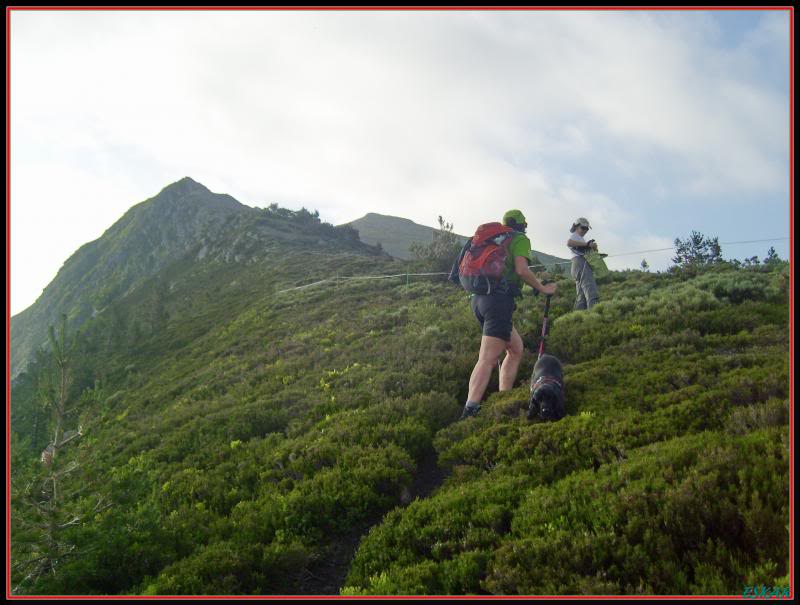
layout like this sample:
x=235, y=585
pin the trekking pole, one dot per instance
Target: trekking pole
x=544, y=326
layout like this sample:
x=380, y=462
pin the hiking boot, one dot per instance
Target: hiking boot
x=470, y=410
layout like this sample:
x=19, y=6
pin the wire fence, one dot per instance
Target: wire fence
x=408, y=276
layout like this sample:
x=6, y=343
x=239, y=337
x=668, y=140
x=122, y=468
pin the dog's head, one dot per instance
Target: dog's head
x=547, y=400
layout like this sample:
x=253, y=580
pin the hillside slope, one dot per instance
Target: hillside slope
x=183, y=221
x=250, y=440
x=668, y=476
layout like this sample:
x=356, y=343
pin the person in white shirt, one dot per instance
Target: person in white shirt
x=586, y=294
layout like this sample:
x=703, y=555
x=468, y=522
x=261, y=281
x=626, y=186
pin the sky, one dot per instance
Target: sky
x=651, y=124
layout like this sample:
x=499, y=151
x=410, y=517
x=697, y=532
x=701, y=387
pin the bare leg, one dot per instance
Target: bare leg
x=508, y=371
x=491, y=348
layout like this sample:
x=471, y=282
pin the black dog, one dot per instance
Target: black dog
x=547, y=389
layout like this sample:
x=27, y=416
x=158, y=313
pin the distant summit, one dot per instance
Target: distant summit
x=396, y=235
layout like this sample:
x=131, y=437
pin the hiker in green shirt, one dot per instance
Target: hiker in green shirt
x=493, y=311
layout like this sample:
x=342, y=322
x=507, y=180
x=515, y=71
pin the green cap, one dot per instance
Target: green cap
x=518, y=217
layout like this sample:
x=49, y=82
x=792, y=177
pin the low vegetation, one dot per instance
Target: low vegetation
x=240, y=438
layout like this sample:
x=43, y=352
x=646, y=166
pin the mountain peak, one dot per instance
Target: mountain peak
x=395, y=233
x=389, y=217
x=188, y=195
x=183, y=187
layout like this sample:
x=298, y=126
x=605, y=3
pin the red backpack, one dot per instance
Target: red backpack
x=483, y=260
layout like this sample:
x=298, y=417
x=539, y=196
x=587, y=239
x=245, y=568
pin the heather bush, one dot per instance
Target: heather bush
x=682, y=516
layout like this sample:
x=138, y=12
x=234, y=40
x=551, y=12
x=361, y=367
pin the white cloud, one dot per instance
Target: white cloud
x=416, y=114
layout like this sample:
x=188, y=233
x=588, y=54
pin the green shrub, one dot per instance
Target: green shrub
x=679, y=516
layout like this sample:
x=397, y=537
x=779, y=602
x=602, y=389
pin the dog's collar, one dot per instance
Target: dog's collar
x=545, y=380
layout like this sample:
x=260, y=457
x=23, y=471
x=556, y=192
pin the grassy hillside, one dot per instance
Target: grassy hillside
x=245, y=440
x=669, y=476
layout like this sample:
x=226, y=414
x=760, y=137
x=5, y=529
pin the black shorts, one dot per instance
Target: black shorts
x=494, y=314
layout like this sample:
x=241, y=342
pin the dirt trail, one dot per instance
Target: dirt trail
x=327, y=576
